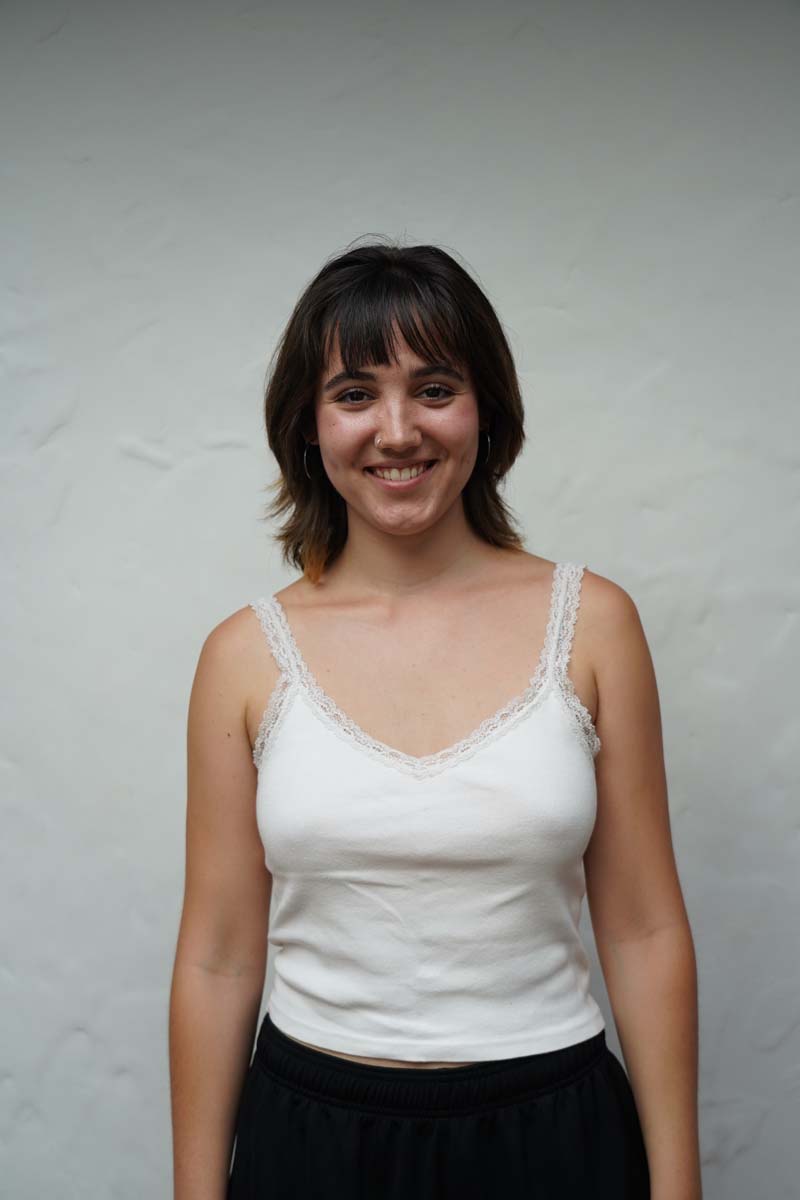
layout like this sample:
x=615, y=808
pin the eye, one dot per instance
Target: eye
x=352, y=392
x=358, y=392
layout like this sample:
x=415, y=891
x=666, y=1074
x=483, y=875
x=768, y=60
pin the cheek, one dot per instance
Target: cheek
x=458, y=430
x=342, y=441
x=464, y=442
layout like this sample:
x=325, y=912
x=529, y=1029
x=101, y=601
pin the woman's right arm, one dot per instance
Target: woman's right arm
x=221, y=955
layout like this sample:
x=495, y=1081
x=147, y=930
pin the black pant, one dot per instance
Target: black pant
x=552, y=1126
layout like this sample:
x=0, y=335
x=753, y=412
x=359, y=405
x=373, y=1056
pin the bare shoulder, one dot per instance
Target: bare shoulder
x=235, y=639
x=236, y=656
x=233, y=634
x=605, y=605
x=616, y=643
x=610, y=619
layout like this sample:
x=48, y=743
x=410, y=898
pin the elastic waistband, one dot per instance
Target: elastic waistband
x=421, y=1090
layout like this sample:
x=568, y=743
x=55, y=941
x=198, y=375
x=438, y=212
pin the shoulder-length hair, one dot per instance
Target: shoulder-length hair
x=442, y=313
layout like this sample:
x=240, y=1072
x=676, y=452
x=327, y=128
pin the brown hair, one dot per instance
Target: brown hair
x=441, y=312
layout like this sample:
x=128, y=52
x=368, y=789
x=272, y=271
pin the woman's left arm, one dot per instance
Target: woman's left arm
x=641, y=928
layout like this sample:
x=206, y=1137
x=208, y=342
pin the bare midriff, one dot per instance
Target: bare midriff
x=376, y=1062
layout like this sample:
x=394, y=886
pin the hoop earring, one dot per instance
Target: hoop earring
x=305, y=461
x=488, y=447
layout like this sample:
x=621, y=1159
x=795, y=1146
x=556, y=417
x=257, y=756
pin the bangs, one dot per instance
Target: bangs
x=363, y=321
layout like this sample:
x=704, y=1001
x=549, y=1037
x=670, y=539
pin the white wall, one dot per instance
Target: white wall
x=623, y=179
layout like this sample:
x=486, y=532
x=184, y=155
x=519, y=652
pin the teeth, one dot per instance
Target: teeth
x=406, y=473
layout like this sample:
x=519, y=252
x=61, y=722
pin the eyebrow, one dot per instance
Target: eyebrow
x=419, y=373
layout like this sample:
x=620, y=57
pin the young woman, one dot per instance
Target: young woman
x=411, y=764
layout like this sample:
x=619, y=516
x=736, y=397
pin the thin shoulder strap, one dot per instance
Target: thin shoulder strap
x=280, y=646
x=566, y=599
x=268, y=617
x=567, y=596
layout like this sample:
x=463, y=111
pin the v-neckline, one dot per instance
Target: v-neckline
x=495, y=725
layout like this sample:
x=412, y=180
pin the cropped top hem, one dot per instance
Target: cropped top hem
x=484, y=1048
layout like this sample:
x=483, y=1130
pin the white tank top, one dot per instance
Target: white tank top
x=427, y=908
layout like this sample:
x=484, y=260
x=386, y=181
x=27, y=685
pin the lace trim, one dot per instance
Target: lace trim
x=272, y=712
x=552, y=665
x=425, y=766
x=576, y=708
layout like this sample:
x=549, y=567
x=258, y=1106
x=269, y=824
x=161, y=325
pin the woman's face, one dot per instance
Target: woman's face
x=419, y=414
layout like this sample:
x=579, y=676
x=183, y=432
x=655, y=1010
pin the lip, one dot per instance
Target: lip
x=402, y=485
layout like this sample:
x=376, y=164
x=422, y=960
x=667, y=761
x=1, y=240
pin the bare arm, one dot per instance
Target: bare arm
x=221, y=954
x=641, y=927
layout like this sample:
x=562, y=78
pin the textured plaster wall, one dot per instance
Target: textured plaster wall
x=623, y=179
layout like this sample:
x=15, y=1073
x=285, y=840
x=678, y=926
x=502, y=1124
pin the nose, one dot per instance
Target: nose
x=396, y=432
x=399, y=442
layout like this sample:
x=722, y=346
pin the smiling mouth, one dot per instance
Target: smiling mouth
x=399, y=477
x=426, y=466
